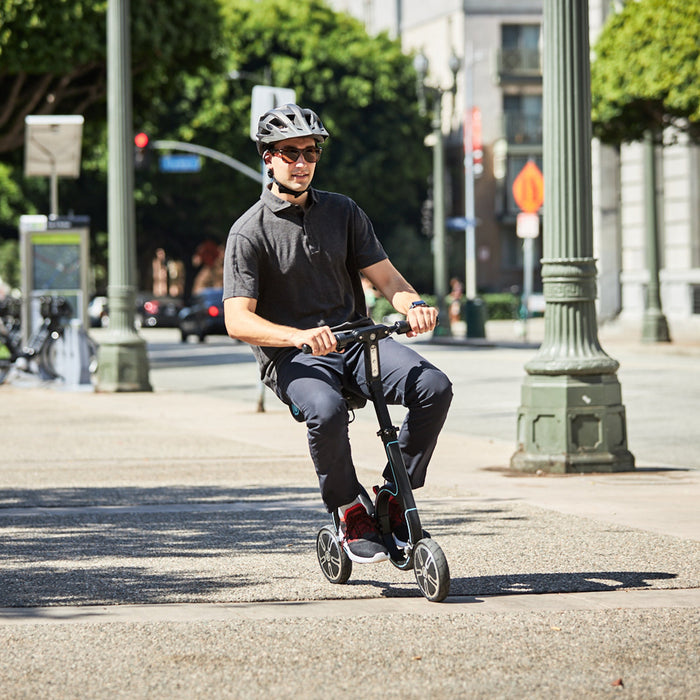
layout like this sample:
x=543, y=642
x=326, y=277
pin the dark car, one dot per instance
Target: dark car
x=204, y=316
x=155, y=311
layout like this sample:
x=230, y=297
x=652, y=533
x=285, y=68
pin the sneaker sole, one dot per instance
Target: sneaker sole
x=399, y=543
x=379, y=556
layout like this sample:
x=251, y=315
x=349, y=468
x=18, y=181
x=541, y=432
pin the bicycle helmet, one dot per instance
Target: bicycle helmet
x=288, y=122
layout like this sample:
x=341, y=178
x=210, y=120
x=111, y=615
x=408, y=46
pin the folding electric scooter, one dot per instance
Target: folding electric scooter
x=421, y=553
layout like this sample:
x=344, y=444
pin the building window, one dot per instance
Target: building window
x=522, y=119
x=520, y=51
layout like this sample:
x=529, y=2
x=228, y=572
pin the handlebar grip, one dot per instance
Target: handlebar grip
x=306, y=349
x=402, y=327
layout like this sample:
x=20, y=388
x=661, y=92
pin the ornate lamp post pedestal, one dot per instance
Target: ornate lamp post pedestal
x=571, y=418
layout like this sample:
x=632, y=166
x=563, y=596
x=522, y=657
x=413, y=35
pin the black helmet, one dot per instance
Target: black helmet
x=288, y=122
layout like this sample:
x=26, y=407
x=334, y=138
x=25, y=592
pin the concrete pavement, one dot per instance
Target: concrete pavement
x=162, y=544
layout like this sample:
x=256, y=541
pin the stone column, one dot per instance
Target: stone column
x=123, y=362
x=571, y=418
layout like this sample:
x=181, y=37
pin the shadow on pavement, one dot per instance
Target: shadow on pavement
x=81, y=546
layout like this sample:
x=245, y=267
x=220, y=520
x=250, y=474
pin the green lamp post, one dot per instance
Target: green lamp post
x=421, y=65
x=571, y=418
x=123, y=362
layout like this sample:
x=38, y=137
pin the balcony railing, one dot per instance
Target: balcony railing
x=519, y=64
x=522, y=129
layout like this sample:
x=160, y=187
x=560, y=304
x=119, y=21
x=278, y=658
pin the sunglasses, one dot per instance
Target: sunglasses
x=290, y=155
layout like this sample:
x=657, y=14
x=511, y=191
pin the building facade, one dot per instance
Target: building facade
x=498, y=43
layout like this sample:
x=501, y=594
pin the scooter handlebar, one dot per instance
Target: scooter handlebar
x=365, y=334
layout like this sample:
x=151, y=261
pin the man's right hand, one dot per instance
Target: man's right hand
x=321, y=340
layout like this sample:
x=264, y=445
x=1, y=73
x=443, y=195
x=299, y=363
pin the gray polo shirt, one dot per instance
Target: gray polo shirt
x=302, y=266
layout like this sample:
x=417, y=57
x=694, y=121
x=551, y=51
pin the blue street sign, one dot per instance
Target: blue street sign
x=459, y=223
x=180, y=163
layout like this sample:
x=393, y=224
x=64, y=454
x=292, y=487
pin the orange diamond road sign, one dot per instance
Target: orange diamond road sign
x=528, y=188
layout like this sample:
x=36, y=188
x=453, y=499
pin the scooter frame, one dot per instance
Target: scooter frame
x=422, y=554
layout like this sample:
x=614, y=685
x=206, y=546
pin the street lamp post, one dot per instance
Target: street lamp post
x=571, y=418
x=421, y=65
x=123, y=361
x=654, y=324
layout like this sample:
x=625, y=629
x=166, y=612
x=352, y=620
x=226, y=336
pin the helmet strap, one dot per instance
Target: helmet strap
x=285, y=190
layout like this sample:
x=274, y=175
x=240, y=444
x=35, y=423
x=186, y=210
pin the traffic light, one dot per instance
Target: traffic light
x=142, y=151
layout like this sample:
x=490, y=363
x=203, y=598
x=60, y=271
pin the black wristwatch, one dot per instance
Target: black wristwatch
x=420, y=302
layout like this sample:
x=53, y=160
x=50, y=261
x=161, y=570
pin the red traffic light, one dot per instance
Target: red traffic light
x=141, y=140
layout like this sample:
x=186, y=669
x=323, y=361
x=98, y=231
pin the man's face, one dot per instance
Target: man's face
x=295, y=175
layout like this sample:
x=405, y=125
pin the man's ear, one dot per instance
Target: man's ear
x=267, y=158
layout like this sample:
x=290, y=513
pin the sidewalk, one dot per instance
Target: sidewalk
x=162, y=545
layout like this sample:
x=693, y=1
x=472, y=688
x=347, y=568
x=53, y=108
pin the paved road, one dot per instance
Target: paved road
x=660, y=385
x=161, y=545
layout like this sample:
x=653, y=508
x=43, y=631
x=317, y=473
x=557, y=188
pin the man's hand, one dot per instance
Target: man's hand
x=320, y=340
x=422, y=319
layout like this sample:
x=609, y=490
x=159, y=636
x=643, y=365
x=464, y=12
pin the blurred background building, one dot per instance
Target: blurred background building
x=501, y=40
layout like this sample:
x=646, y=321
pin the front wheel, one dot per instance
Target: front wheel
x=431, y=570
x=334, y=562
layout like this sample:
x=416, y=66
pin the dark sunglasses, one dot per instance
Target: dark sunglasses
x=290, y=155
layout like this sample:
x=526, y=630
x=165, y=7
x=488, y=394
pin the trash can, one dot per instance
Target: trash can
x=475, y=316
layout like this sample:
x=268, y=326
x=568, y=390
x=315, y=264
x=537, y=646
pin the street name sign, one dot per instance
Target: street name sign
x=179, y=163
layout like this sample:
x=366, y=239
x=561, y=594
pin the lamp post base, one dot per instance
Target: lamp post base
x=123, y=365
x=655, y=327
x=572, y=424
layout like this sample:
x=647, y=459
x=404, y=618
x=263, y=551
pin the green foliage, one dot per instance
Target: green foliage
x=9, y=263
x=52, y=59
x=53, y=56
x=502, y=306
x=645, y=73
x=12, y=202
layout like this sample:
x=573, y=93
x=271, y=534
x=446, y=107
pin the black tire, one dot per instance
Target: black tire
x=431, y=570
x=47, y=358
x=333, y=560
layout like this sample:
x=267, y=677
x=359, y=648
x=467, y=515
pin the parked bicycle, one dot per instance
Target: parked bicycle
x=38, y=356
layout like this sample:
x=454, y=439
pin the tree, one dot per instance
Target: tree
x=184, y=53
x=53, y=55
x=644, y=77
x=53, y=61
x=644, y=87
x=362, y=87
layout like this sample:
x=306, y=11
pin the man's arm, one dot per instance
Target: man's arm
x=391, y=283
x=242, y=323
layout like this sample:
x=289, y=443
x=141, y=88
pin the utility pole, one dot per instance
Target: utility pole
x=571, y=418
x=123, y=361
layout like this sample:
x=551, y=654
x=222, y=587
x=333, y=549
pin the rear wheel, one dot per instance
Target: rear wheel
x=334, y=562
x=47, y=357
x=431, y=570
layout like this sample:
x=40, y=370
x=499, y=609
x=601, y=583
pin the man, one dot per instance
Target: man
x=291, y=278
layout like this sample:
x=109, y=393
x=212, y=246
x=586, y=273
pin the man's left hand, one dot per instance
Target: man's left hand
x=423, y=319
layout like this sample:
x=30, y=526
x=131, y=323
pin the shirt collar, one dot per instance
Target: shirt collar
x=275, y=204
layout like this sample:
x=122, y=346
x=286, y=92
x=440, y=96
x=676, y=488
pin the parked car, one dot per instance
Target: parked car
x=204, y=316
x=154, y=311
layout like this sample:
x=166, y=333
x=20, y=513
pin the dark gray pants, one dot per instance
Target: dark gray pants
x=315, y=384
